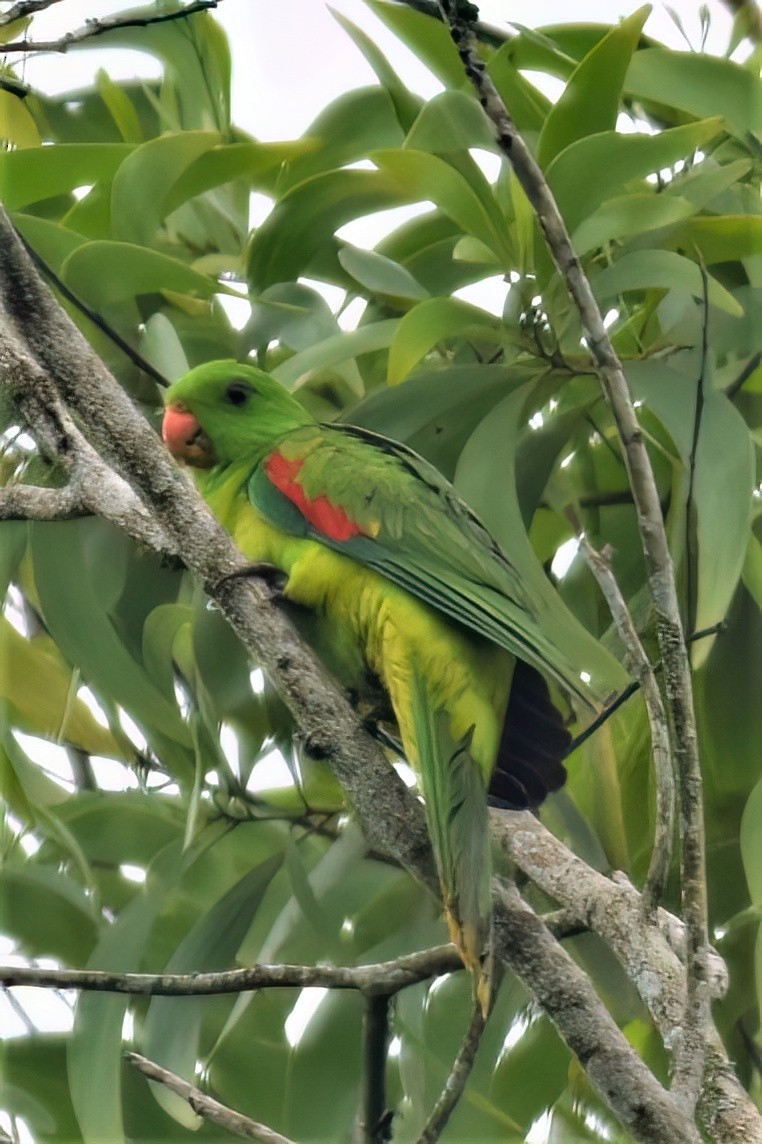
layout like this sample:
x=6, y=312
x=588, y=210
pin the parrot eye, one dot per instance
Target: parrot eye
x=238, y=393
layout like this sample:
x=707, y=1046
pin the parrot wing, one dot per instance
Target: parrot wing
x=379, y=502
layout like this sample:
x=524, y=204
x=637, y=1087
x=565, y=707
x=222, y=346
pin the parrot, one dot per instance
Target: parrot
x=404, y=594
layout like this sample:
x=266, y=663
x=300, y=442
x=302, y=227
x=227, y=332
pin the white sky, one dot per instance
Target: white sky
x=292, y=58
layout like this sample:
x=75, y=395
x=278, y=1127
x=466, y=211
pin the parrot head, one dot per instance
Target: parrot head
x=223, y=410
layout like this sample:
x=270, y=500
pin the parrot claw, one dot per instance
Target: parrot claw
x=275, y=578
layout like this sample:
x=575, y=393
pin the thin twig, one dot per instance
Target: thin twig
x=25, y=8
x=640, y=666
x=661, y=575
x=384, y=978
x=457, y=1079
x=93, y=316
x=374, y=1123
x=93, y=28
x=206, y=1106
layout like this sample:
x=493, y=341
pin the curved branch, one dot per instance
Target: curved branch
x=206, y=1106
x=93, y=28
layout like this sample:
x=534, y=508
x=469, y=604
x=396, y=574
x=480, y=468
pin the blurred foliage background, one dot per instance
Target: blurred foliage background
x=148, y=832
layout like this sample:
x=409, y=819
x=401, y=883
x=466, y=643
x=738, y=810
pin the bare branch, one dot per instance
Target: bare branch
x=457, y=1080
x=93, y=28
x=374, y=1125
x=384, y=978
x=641, y=668
x=653, y=957
x=661, y=575
x=206, y=1106
x=25, y=8
x=648, y=1111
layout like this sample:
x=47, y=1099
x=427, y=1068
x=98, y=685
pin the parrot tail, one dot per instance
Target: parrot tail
x=533, y=745
x=456, y=813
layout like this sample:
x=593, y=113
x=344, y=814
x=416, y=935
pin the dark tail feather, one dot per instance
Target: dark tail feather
x=533, y=745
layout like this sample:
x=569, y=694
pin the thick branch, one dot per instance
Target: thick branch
x=647, y=1110
x=384, y=978
x=206, y=1106
x=661, y=576
x=652, y=956
x=94, y=28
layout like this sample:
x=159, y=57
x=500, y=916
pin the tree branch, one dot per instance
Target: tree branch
x=29, y=502
x=457, y=1080
x=382, y=979
x=459, y=15
x=93, y=28
x=206, y=1106
x=25, y=8
x=648, y=1111
x=652, y=955
x=373, y=1121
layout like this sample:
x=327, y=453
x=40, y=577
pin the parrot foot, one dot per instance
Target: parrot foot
x=275, y=578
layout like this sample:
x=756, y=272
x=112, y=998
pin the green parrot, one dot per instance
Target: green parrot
x=403, y=593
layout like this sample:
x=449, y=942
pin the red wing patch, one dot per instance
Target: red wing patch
x=328, y=519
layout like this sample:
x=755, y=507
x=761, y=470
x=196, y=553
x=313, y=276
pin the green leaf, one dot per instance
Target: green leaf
x=89, y=271
x=338, y=348
x=596, y=168
x=451, y=121
x=310, y=214
x=143, y=181
x=160, y=344
x=433, y=321
x=426, y=37
x=95, y=1049
x=406, y=104
x=699, y=84
x=721, y=239
x=590, y=101
x=423, y=176
x=379, y=274
x=528, y=106
x=50, y=240
x=629, y=215
x=37, y=173
x=722, y=495
x=258, y=164
x=17, y=126
x=173, y=1025
x=47, y=913
x=661, y=269
x=120, y=106
x=38, y=694
x=84, y=632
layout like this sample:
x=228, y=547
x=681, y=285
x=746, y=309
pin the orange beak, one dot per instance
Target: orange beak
x=185, y=438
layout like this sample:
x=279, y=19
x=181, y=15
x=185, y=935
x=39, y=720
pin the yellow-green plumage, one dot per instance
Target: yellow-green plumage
x=403, y=585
